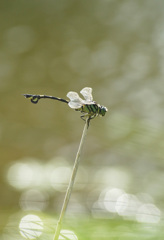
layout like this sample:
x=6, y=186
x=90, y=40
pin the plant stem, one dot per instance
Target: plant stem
x=71, y=182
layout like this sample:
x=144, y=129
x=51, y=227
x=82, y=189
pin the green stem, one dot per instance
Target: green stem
x=71, y=182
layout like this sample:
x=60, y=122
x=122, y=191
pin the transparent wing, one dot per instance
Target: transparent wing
x=87, y=94
x=75, y=100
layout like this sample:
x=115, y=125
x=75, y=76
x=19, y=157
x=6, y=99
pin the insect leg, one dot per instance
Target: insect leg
x=88, y=121
x=83, y=117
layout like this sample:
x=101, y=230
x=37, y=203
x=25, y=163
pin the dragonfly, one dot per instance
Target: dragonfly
x=89, y=108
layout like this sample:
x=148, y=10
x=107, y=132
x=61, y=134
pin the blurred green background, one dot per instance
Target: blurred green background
x=52, y=47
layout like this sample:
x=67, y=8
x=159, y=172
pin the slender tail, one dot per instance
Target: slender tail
x=36, y=98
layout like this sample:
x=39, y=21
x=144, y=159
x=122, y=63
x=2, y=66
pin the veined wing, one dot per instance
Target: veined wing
x=87, y=94
x=75, y=100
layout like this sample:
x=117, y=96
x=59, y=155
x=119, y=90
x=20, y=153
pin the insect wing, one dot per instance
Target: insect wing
x=87, y=94
x=75, y=101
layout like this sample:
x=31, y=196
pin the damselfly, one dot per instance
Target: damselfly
x=89, y=108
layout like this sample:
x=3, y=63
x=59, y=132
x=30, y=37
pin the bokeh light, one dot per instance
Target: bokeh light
x=20, y=175
x=25, y=174
x=31, y=226
x=114, y=201
x=148, y=213
x=33, y=199
x=60, y=178
x=17, y=44
x=67, y=234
